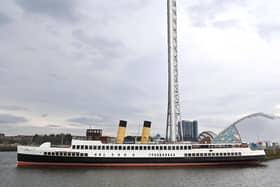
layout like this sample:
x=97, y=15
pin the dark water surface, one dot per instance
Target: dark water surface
x=267, y=175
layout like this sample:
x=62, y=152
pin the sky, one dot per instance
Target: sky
x=67, y=65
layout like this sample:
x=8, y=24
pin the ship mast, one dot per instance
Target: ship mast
x=173, y=126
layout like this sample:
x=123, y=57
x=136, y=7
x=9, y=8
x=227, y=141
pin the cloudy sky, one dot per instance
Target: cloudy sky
x=66, y=65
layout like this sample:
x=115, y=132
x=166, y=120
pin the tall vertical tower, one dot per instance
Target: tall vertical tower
x=173, y=130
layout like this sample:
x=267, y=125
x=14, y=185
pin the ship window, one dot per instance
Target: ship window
x=149, y=147
x=186, y=154
x=209, y=154
x=90, y=147
x=201, y=154
x=116, y=147
x=78, y=154
x=221, y=154
x=120, y=147
x=86, y=154
x=99, y=147
x=73, y=154
x=205, y=154
x=190, y=154
x=82, y=154
x=102, y=147
x=107, y=147
x=112, y=147
x=217, y=154
x=124, y=154
x=78, y=146
x=86, y=147
x=228, y=154
x=99, y=154
x=181, y=147
x=73, y=147
x=65, y=154
x=69, y=154
x=160, y=147
x=193, y=154
x=133, y=154
x=185, y=147
x=190, y=147
x=173, y=147
x=128, y=147
x=94, y=147
x=153, y=147
x=225, y=154
x=132, y=147
x=136, y=147
x=177, y=147
x=169, y=147
x=239, y=154
x=140, y=147
x=45, y=153
x=145, y=147
x=235, y=154
x=124, y=147
x=156, y=147
x=119, y=154
x=197, y=154
x=164, y=147
x=82, y=147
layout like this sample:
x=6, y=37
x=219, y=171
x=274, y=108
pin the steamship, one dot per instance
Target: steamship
x=97, y=154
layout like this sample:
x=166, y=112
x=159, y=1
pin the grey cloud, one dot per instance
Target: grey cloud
x=203, y=12
x=53, y=126
x=11, y=119
x=85, y=120
x=268, y=31
x=13, y=107
x=4, y=19
x=224, y=24
x=61, y=9
x=99, y=45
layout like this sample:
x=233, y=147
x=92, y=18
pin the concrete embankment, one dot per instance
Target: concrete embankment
x=8, y=147
x=272, y=153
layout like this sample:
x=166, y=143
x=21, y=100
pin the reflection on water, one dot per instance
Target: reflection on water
x=10, y=175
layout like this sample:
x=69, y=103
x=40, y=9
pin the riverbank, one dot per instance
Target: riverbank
x=272, y=153
x=8, y=147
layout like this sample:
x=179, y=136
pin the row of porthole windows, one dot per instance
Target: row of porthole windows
x=162, y=154
x=128, y=147
x=68, y=154
x=212, y=154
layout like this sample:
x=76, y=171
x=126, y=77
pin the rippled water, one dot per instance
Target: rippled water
x=266, y=175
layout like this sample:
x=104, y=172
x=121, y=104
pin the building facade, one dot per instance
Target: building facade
x=189, y=130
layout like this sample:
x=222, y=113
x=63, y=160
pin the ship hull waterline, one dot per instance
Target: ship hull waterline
x=46, y=161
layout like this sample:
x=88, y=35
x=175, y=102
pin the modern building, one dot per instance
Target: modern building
x=93, y=134
x=206, y=137
x=189, y=130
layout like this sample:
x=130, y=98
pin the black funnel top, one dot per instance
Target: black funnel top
x=122, y=123
x=147, y=124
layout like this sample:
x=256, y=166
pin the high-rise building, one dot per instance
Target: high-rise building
x=189, y=130
x=93, y=134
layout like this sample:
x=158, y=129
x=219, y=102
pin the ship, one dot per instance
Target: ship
x=94, y=153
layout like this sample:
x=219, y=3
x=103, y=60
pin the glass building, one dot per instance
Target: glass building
x=189, y=130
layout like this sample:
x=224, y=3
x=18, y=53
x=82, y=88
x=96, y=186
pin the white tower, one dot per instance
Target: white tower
x=173, y=130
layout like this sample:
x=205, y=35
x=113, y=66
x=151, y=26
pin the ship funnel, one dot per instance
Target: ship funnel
x=146, y=132
x=121, y=132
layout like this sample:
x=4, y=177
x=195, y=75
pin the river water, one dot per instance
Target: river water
x=267, y=175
